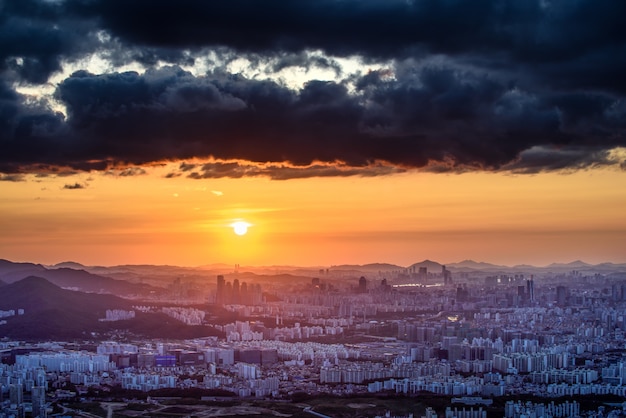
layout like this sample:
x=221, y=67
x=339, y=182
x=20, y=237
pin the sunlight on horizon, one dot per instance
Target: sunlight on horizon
x=398, y=218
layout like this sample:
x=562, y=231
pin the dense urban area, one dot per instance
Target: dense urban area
x=469, y=340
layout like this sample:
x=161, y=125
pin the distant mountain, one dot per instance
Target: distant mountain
x=50, y=311
x=471, y=264
x=54, y=313
x=573, y=265
x=9, y=267
x=70, y=278
x=382, y=267
x=36, y=294
x=375, y=267
x=524, y=267
x=432, y=266
x=611, y=266
x=69, y=265
x=87, y=282
x=160, y=276
x=10, y=276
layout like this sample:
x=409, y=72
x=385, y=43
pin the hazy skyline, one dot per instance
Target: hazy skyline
x=340, y=131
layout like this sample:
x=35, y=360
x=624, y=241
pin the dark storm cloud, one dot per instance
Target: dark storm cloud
x=36, y=35
x=27, y=131
x=433, y=114
x=531, y=30
x=306, y=61
x=280, y=171
x=126, y=172
x=583, y=40
x=524, y=85
x=542, y=159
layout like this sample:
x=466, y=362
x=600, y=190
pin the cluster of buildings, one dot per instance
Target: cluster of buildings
x=257, y=331
x=9, y=313
x=491, y=336
x=188, y=316
x=117, y=315
x=234, y=293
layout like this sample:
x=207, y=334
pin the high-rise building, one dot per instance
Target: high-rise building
x=228, y=293
x=257, y=295
x=530, y=289
x=40, y=378
x=562, y=294
x=446, y=275
x=362, y=285
x=236, y=288
x=39, y=401
x=219, y=294
x=243, y=294
x=461, y=294
x=16, y=394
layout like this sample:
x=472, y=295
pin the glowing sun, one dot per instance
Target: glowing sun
x=240, y=227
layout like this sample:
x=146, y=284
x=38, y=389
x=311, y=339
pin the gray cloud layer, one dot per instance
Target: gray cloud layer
x=519, y=85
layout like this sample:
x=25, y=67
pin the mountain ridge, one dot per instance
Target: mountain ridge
x=51, y=312
x=69, y=278
x=114, y=278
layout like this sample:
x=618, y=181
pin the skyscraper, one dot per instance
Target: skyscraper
x=562, y=293
x=243, y=294
x=16, y=393
x=530, y=289
x=219, y=294
x=362, y=285
x=39, y=401
x=446, y=275
x=235, y=299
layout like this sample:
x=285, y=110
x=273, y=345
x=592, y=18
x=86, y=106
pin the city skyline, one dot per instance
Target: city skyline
x=463, y=342
x=331, y=132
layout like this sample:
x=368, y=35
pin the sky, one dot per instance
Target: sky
x=340, y=131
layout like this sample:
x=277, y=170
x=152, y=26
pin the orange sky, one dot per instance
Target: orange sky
x=399, y=218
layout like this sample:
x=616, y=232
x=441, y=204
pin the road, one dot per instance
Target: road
x=309, y=410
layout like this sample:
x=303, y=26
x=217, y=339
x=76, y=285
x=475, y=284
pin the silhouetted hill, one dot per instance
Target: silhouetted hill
x=70, y=278
x=573, y=265
x=17, y=275
x=70, y=265
x=382, y=267
x=88, y=282
x=474, y=265
x=9, y=268
x=36, y=294
x=372, y=267
x=432, y=266
x=523, y=266
x=54, y=313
